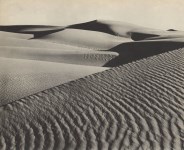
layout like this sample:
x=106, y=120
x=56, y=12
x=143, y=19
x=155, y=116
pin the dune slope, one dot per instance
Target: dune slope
x=134, y=106
x=83, y=38
x=15, y=35
x=20, y=77
x=70, y=56
x=16, y=42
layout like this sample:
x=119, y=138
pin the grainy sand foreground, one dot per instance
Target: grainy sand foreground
x=58, y=91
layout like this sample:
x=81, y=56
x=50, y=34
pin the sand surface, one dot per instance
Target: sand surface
x=20, y=77
x=85, y=38
x=72, y=56
x=135, y=106
x=95, y=85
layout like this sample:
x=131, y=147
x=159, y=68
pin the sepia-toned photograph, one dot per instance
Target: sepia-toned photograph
x=91, y=75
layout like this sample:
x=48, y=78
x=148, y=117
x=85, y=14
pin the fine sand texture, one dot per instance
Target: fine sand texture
x=134, y=106
x=98, y=85
x=20, y=77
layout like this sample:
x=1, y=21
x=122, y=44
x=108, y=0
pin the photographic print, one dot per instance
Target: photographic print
x=91, y=75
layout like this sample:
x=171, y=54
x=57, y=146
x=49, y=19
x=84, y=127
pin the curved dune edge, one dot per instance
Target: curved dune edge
x=122, y=29
x=135, y=106
x=31, y=29
x=20, y=77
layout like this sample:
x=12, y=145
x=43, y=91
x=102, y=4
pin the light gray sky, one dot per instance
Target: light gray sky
x=161, y=14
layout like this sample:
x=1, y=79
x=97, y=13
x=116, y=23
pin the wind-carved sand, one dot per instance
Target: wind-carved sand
x=57, y=92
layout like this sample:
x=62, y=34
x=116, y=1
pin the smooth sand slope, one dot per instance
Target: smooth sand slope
x=135, y=106
x=20, y=77
x=15, y=35
x=83, y=38
x=16, y=42
x=72, y=56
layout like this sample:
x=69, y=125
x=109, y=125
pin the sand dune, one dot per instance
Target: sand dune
x=20, y=78
x=57, y=93
x=82, y=38
x=15, y=42
x=127, y=30
x=81, y=57
x=118, y=28
x=135, y=106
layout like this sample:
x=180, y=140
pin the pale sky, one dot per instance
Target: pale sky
x=161, y=14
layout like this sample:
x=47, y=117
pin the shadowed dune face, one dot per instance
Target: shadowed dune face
x=135, y=106
x=93, y=26
x=117, y=28
x=132, y=51
x=30, y=29
x=122, y=29
x=141, y=36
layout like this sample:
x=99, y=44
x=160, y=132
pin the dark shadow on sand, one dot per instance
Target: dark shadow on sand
x=100, y=27
x=132, y=51
x=36, y=30
x=93, y=26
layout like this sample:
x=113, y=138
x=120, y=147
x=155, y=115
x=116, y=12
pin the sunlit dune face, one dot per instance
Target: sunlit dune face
x=163, y=14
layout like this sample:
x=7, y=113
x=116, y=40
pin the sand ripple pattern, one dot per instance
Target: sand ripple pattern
x=136, y=106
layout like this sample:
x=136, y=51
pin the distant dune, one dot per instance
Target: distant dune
x=124, y=29
x=118, y=28
x=83, y=38
x=95, y=85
